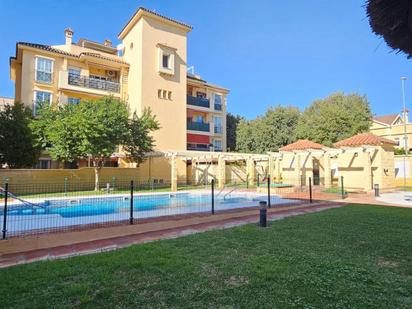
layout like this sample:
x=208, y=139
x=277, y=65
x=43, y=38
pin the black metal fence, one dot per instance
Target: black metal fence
x=29, y=209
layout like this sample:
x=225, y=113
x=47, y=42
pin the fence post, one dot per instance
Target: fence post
x=247, y=181
x=213, y=196
x=268, y=190
x=6, y=193
x=342, y=187
x=131, y=201
x=113, y=182
x=65, y=186
x=258, y=181
x=310, y=190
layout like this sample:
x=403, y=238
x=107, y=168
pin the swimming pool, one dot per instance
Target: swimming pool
x=65, y=212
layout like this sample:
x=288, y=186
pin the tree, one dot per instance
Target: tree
x=268, y=132
x=232, y=121
x=334, y=118
x=17, y=142
x=93, y=129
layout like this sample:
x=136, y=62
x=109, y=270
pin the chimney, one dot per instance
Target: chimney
x=107, y=43
x=68, y=33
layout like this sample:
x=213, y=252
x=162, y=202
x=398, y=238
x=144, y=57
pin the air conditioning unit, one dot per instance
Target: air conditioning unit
x=111, y=73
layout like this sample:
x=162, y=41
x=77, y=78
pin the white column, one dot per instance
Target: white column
x=367, y=169
x=221, y=172
x=173, y=166
x=278, y=169
x=327, y=170
x=297, y=169
x=250, y=166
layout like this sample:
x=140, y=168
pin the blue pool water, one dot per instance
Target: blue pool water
x=161, y=203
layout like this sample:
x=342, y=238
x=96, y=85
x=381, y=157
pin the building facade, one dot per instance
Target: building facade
x=393, y=127
x=147, y=69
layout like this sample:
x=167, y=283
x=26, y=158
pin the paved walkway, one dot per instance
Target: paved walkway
x=60, y=245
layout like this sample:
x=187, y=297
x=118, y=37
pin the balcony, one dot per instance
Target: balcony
x=88, y=85
x=92, y=83
x=198, y=147
x=198, y=126
x=197, y=101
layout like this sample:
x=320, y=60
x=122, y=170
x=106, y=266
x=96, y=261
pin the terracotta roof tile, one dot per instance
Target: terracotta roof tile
x=143, y=9
x=387, y=119
x=302, y=144
x=65, y=53
x=364, y=139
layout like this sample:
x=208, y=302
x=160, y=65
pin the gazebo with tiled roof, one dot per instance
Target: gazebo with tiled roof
x=298, y=161
x=364, y=139
x=302, y=144
x=366, y=159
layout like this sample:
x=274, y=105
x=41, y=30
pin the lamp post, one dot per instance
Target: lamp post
x=405, y=136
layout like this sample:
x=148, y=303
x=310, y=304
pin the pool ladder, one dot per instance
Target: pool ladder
x=226, y=194
x=25, y=202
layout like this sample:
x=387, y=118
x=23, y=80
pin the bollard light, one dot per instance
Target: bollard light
x=263, y=214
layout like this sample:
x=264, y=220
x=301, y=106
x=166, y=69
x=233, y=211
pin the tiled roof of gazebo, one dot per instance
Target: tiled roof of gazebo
x=302, y=144
x=364, y=139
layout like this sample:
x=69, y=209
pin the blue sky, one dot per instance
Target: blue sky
x=267, y=52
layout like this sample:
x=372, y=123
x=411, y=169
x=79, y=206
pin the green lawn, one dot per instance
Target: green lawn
x=355, y=256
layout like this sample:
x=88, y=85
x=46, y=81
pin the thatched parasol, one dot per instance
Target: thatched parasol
x=392, y=19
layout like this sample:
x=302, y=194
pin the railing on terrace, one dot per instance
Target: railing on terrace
x=198, y=126
x=93, y=83
x=36, y=208
x=198, y=101
x=198, y=148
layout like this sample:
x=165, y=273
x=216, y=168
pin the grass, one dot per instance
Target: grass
x=355, y=256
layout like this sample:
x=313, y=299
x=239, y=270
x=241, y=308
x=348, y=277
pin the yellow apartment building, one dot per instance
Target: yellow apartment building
x=147, y=69
x=392, y=127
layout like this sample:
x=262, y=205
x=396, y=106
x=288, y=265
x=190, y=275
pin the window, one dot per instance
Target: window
x=43, y=164
x=164, y=94
x=44, y=70
x=74, y=71
x=41, y=97
x=74, y=76
x=73, y=100
x=218, y=124
x=218, y=102
x=166, y=60
x=217, y=144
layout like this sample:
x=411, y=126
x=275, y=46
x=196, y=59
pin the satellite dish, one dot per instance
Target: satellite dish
x=120, y=47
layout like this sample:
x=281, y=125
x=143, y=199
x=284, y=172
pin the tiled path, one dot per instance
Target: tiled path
x=59, y=245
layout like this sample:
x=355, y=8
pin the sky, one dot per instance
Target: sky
x=267, y=52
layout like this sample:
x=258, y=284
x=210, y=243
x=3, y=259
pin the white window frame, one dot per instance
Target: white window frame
x=75, y=69
x=221, y=101
x=165, y=51
x=214, y=144
x=220, y=124
x=72, y=98
x=36, y=69
x=35, y=99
